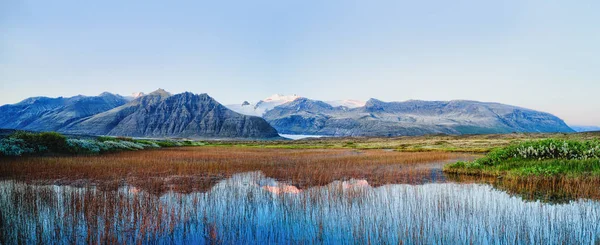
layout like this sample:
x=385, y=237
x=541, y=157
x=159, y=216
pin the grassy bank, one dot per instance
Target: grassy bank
x=426, y=143
x=22, y=143
x=542, y=158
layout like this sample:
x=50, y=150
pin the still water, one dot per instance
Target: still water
x=250, y=208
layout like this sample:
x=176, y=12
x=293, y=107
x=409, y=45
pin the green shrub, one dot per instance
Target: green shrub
x=82, y=146
x=27, y=143
x=15, y=147
x=544, y=149
x=46, y=141
x=105, y=138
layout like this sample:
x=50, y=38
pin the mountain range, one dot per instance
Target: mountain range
x=158, y=114
x=413, y=117
x=262, y=106
x=162, y=114
x=52, y=114
x=582, y=128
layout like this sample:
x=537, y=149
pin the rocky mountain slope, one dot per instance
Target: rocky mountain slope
x=52, y=114
x=160, y=114
x=378, y=118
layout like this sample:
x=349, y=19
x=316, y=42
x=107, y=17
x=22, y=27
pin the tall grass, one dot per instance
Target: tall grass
x=197, y=168
x=238, y=210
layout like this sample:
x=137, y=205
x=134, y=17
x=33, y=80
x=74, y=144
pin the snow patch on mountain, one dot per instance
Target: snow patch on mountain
x=137, y=94
x=262, y=106
x=347, y=103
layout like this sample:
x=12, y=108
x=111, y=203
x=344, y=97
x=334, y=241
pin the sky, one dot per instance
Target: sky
x=538, y=54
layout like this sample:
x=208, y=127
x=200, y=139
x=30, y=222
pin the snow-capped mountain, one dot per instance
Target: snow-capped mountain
x=137, y=94
x=262, y=106
x=414, y=117
x=134, y=96
x=347, y=103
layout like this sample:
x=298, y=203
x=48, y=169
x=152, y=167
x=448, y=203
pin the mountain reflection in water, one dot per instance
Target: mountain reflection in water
x=252, y=208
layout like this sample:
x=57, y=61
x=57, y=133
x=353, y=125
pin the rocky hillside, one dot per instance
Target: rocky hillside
x=52, y=114
x=160, y=114
x=378, y=118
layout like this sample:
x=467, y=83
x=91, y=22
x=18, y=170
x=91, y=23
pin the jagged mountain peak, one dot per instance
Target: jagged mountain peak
x=103, y=94
x=137, y=94
x=160, y=92
x=161, y=114
x=51, y=114
x=373, y=101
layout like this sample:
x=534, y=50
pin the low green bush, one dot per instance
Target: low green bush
x=544, y=149
x=544, y=158
x=15, y=147
x=28, y=143
x=52, y=141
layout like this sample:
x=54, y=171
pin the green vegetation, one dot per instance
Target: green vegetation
x=548, y=157
x=28, y=143
x=428, y=143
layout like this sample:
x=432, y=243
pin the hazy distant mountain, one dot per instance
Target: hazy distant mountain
x=51, y=114
x=580, y=128
x=259, y=108
x=378, y=118
x=347, y=103
x=160, y=114
x=262, y=106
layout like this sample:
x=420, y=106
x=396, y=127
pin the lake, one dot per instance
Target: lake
x=251, y=208
x=378, y=201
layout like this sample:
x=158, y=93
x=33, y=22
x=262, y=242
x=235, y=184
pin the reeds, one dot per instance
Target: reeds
x=190, y=169
x=237, y=210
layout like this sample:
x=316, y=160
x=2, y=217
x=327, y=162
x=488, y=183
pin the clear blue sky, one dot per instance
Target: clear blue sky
x=540, y=54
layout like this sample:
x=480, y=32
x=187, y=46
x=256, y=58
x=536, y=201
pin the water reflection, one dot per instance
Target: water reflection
x=252, y=208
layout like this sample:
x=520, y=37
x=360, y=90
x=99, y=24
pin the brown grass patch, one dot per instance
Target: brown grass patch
x=189, y=169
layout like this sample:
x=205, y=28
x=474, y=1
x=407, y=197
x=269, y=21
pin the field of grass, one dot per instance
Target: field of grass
x=443, y=143
x=188, y=169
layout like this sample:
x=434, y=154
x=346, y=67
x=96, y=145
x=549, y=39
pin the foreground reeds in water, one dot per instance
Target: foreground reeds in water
x=242, y=210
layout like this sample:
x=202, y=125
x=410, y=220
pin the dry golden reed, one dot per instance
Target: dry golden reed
x=189, y=169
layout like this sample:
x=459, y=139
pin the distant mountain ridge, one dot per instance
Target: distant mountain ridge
x=259, y=108
x=158, y=114
x=51, y=114
x=262, y=106
x=414, y=117
x=162, y=114
x=581, y=128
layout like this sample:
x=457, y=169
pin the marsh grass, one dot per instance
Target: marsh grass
x=551, y=189
x=190, y=169
x=237, y=210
